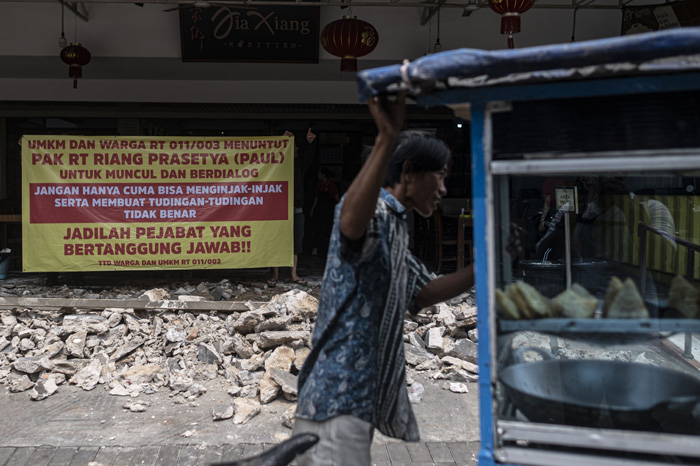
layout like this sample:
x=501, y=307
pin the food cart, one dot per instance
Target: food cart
x=586, y=310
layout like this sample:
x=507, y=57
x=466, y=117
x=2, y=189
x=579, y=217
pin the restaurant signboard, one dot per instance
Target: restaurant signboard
x=265, y=34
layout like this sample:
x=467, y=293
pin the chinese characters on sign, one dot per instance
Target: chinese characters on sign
x=275, y=33
x=106, y=203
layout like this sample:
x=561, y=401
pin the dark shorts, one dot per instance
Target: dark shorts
x=344, y=440
x=298, y=232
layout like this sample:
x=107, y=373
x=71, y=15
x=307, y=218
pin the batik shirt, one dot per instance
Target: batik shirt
x=357, y=363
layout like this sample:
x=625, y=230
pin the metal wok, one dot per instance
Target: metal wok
x=605, y=394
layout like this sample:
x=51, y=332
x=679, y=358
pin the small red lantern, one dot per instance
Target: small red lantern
x=510, y=11
x=76, y=56
x=349, y=38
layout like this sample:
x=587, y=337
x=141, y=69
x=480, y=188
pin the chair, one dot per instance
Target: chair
x=446, y=242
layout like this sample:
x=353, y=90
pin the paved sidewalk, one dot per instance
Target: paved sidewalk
x=76, y=427
x=395, y=454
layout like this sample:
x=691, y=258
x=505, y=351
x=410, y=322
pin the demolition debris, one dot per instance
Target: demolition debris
x=185, y=339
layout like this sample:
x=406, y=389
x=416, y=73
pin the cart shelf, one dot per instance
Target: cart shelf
x=601, y=325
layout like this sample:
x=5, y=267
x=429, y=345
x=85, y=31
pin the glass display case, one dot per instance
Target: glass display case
x=594, y=307
x=585, y=171
x=593, y=298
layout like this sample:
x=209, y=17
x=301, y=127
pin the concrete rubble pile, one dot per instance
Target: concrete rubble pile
x=256, y=353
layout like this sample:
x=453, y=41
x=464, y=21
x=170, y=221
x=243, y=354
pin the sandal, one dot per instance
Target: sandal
x=271, y=282
x=300, y=281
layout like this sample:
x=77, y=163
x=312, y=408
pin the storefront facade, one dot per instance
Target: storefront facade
x=137, y=83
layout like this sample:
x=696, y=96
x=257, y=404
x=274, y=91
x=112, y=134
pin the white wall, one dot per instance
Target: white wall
x=136, y=52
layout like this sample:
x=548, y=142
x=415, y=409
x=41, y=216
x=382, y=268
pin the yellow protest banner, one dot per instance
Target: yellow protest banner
x=147, y=203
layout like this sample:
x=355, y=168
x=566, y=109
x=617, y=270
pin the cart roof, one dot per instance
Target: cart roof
x=655, y=52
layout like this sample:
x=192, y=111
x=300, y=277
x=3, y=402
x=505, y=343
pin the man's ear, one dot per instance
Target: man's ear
x=407, y=171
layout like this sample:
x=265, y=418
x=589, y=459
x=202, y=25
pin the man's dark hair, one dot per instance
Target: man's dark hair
x=425, y=152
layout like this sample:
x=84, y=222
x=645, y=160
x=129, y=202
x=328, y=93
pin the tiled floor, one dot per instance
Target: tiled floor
x=389, y=454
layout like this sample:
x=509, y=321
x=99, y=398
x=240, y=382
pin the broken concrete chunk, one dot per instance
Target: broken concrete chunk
x=274, y=323
x=114, y=319
x=249, y=378
x=269, y=389
x=272, y=339
x=295, y=303
x=281, y=358
x=119, y=390
x=254, y=363
x=78, y=319
x=208, y=354
x=250, y=391
x=19, y=383
x=288, y=417
x=141, y=373
x=239, y=346
x=287, y=381
x=300, y=356
x=88, y=377
x=429, y=365
x=127, y=348
x=135, y=407
x=247, y=321
x=43, y=389
x=416, y=355
x=455, y=374
x=445, y=316
x=433, y=340
x=9, y=321
x=416, y=340
x=465, y=349
x=246, y=409
x=70, y=366
x=75, y=344
x=466, y=365
x=220, y=413
x=156, y=294
x=32, y=365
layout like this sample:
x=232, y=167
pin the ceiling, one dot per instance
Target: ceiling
x=429, y=7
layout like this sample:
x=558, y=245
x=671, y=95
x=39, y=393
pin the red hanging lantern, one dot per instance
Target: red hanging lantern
x=510, y=11
x=349, y=38
x=76, y=56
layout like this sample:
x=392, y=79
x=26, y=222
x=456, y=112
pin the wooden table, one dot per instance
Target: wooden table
x=463, y=222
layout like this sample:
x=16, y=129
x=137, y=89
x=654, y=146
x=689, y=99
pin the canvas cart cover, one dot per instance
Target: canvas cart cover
x=656, y=52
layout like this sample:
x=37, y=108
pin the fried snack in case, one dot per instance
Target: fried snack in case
x=626, y=302
x=575, y=302
x=683, y=296
x=531, y=303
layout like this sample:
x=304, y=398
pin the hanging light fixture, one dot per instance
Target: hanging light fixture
x=349, y=38
x=438, y=46
x=62, y=41
x=510, y=11
x=76, y=56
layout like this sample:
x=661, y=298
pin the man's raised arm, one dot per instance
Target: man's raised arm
x=361, y=197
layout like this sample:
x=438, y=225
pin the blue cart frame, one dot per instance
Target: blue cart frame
x=487, y=80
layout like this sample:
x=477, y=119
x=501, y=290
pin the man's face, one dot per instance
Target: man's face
x=426, y=190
